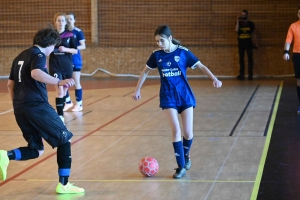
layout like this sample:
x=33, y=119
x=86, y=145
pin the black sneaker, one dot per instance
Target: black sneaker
x=188, y=162
x=180, y=172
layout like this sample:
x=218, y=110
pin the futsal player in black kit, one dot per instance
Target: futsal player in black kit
x=33, y=113
x=60, y=61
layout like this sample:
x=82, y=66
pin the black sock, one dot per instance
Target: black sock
x=11, y=155
x=64, y=180
x=64, y=161
x=60, y=102
x=23, y=153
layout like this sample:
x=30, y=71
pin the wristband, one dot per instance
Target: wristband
x=285, y=51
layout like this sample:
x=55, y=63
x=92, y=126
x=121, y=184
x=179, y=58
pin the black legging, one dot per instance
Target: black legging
x=246, y=46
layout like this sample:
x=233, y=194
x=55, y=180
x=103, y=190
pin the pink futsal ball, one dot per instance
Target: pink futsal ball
x=148, y=166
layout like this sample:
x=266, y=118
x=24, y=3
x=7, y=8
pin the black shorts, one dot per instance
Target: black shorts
x=42, y=122
x=61, y=74
x=179, y=109
x=296, y=61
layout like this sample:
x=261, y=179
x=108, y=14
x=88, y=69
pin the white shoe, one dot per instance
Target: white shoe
x=62, y=118
x=77, y=108
x=68, y=106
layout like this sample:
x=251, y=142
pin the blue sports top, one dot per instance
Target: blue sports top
x=172, y=66
x=77, y=60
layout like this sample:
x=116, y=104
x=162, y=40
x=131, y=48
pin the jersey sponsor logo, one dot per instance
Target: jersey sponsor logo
x=170, y=72
x=176, y=58
x=59, y=53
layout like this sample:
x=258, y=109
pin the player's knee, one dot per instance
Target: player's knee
x=188, y=136
x=177, y=133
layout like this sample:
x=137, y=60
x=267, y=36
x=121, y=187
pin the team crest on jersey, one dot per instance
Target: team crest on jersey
x=40, y=55
x=168, y=63
x=176, y=58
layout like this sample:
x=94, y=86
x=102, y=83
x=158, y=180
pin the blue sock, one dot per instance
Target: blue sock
x=67, y=97
x=78, y=94
x=187, y=145
x=179, y=154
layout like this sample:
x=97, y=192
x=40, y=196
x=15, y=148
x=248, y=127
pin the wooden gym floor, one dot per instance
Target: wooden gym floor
x=245, y=141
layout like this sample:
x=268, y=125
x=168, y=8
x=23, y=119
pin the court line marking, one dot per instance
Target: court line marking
x=271, y=113
x=114, y=143
x=99, y=100
x=266, y=147
x=233, y=144
x=135, y=180
x=242, y=114
x=2, y=113
x=74, y=142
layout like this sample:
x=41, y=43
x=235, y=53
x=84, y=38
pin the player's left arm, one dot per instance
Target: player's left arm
x=81, y=40
x=206, y=71
x=81, y=45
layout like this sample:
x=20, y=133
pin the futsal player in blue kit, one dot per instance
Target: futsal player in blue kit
x=176, y=96
x=33, y=113
x=77, y=65
x=60, y=61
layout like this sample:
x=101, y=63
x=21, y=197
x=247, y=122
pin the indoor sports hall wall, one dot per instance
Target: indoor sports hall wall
x=119, y=33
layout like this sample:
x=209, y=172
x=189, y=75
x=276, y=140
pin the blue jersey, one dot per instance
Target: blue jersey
x=77, y=60
x=172, y=67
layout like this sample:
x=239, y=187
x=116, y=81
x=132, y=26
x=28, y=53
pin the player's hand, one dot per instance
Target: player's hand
x=67, y=83
x=217, y=83
x=136, y=95
x=62, y=48
x=286, y=56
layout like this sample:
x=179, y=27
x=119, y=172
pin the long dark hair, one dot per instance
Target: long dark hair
x=165, y=31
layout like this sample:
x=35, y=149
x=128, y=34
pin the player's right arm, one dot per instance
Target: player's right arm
x=286, y=55
x=43, y=77
x=143, y=76
x=287, y=44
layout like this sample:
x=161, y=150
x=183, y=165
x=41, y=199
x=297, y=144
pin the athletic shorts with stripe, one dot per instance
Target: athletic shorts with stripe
x=40, y=121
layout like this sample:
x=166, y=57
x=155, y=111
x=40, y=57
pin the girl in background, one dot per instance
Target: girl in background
x=77, y=65
x=60, y=61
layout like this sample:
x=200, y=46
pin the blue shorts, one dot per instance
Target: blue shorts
x=77, y=68
x=179, y=109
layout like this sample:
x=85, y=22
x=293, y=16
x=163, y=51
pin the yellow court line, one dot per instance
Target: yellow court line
x=266, y=147
x=141, y=180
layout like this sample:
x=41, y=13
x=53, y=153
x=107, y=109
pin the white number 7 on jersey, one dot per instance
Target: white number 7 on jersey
x=20, y=63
